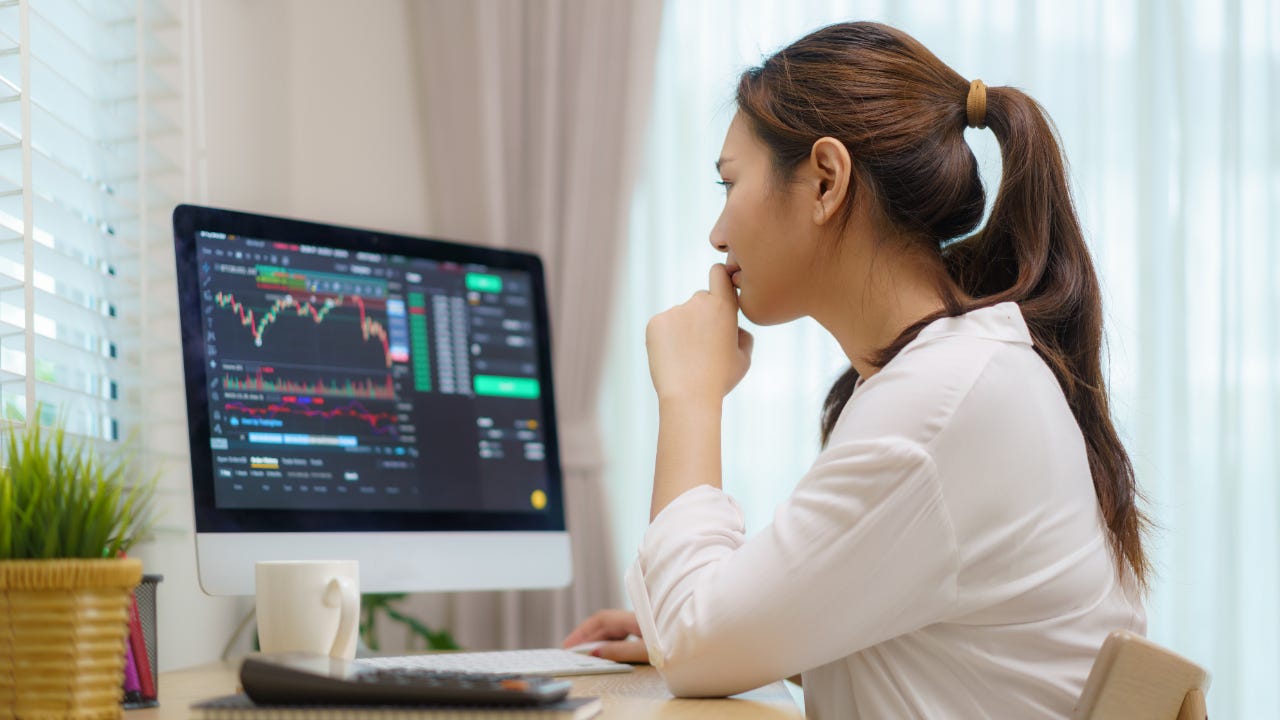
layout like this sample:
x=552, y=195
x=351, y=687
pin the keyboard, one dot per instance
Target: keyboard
x=548, y=661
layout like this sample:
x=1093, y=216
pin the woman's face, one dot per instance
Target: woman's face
x=765, y=229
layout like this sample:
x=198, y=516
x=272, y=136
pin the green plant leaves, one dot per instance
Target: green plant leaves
x=374, y=604
x=61, y=499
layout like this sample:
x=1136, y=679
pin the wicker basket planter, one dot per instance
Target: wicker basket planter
x=63, y=625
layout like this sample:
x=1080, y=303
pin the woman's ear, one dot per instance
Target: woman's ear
x=831, y=170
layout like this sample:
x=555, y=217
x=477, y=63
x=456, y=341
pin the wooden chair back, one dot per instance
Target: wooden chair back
x=1136, y=679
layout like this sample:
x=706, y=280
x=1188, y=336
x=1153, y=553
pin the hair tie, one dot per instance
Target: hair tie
x=976, y=105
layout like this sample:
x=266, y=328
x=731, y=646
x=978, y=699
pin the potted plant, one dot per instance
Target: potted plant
x=67, y=515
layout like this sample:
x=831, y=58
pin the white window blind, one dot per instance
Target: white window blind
x=92, y=156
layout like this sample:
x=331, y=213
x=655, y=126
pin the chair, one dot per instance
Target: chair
x=1136, y=679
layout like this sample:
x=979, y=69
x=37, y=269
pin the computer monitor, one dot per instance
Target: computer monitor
x=354, y=394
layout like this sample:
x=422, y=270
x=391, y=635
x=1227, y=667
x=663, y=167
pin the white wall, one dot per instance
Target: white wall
x=354, y=123
x=309, y=110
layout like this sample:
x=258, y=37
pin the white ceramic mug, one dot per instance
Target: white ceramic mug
x=308, y=606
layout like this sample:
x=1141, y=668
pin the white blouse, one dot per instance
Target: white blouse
x=945, y=556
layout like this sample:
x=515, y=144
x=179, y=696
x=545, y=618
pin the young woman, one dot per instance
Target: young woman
x=969, y=534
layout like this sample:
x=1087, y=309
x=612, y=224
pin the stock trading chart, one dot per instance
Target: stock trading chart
x=342, y=379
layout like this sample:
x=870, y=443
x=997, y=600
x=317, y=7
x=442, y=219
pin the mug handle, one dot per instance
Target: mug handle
x=345, y=590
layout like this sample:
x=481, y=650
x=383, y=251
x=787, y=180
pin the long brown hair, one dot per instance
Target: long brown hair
x=901, y=112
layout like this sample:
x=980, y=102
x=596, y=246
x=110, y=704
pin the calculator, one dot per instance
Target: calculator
x=306, y=679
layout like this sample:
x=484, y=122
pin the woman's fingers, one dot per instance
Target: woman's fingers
x=719, y=283
x=627, y=651
x=604, y=625
x=696, y=349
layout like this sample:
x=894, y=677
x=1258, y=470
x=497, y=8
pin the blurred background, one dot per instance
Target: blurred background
x=586, y=130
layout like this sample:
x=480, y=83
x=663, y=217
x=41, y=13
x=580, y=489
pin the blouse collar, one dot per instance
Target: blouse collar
x=997, y=322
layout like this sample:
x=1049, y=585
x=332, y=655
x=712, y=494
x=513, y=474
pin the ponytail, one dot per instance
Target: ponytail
x=906, y=133
x=1032, y=251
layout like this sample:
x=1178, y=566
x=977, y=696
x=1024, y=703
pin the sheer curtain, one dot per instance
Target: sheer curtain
x=531, y=113
x=1167, y=114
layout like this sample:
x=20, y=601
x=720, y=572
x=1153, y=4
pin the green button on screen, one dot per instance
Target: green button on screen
x=484, y=283
x=514, y=387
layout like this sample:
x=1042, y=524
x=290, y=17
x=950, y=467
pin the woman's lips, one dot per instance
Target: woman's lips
x=734, y=271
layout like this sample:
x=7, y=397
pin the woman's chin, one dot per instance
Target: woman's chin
x=760, y=315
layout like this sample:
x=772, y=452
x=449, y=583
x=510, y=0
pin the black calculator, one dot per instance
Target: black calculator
x=304, y=679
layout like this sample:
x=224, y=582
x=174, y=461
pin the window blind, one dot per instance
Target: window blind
x=92, y=160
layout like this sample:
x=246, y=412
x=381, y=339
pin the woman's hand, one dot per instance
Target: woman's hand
x=697, y=349
x=614, y=626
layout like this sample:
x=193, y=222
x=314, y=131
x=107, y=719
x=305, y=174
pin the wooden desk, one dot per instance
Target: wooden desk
x=638, y=694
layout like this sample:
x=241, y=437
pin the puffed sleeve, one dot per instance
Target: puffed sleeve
x=862, y=551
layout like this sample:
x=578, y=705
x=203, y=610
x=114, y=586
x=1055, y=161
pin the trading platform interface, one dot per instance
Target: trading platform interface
x=351, y=380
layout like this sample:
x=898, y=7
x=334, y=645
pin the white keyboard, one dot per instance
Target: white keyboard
x=549, y=661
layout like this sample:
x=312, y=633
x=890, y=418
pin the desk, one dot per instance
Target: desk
x=638, y=694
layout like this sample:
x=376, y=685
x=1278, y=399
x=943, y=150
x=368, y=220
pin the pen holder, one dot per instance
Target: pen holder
x=142, y=668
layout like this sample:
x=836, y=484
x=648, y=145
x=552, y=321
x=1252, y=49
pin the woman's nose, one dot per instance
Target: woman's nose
x=718, y=244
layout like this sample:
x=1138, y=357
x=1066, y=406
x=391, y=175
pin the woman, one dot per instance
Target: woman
x=969, y=534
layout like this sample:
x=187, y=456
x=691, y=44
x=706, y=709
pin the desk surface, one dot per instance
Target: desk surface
x=638, y=694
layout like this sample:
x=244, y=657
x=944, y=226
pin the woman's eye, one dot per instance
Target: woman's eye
x=724, y=184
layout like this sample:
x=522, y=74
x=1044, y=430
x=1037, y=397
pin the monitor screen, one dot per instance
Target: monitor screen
x=364, y=383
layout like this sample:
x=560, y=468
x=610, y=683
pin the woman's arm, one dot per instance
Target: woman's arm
x=688, y=448
x=697, y=354
x=862, y=551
